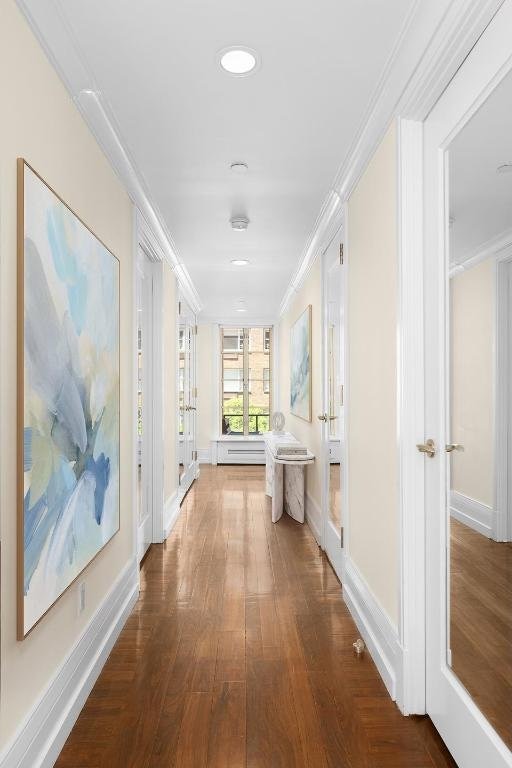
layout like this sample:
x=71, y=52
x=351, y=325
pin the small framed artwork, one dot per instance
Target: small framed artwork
x=68, y=397
x=300, y=366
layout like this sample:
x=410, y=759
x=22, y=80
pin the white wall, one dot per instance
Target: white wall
x=372, y=359
x=40, y=123
x=207, y=388
x=309, y=433
x=472, y=381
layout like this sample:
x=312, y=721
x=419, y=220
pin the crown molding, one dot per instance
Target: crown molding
x=48, y=23
x=328, y=223
x=434, y=40
x=492, y=247
x=241, y=321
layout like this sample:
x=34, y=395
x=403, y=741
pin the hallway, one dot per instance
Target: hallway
x=239, y=653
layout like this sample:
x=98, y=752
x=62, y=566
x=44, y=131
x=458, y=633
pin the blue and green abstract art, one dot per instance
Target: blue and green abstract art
x=69, y=369
x=300, y=366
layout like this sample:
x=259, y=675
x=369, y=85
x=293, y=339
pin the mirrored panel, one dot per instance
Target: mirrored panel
x=479, y=491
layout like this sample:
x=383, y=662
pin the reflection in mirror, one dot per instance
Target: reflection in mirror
x=187, y=394
x=334, y=424
x=181, y=396
x=480, y=459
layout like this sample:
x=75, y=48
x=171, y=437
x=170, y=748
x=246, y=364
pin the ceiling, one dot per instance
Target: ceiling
x=183, y=121
x=481, y=198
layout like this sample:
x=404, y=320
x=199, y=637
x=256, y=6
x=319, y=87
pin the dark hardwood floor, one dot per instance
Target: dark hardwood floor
x=239, y=653
x=481, y=622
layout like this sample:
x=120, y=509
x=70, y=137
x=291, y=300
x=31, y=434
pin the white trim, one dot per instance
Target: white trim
x=345, y=340
x=49, y=24
x=135, y=380
x=40, y=739
x=493, y=247
x=502, y=528
x=157, y=406
x=204, y=455
x=410, y=416
x=327, y=225
x=171, y=513
x=453, y=712
x=472, y=513
x=376, y=629
x=433, y=42
x=153, y=374
x=313, y=517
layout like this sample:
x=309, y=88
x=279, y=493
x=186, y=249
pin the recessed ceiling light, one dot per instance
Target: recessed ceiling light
x=240, y=262
x=238, y=60
x=239, y=168
x=505, y=167
x=241, y=309
x=239, y=223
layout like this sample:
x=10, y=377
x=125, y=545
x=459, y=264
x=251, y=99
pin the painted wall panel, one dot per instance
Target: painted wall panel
x=372, y=354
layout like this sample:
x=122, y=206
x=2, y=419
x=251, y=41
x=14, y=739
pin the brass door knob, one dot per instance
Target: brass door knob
x=323, y=417
x=453, y=447
x=429, y=447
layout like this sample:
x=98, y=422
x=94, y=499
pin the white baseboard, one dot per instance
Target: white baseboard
x=314, y=518
x=171, y=514
x=377, y=631
x=472, y=513
x=44, y=732
x=204, y=455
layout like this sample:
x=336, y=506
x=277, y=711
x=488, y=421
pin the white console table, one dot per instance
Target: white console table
x=285, y=477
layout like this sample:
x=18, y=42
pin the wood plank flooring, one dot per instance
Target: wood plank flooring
x=481, y=622
x=239, y=654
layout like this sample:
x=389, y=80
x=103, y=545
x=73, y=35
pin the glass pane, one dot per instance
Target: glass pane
x=259, y=409
x=254, y=399
x=479, y=509
x=232, y=383
x=259, y=380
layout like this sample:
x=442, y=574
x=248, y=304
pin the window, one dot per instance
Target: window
x=232, y=340
x=233, y=380
x=246, y=380
x=266, y=379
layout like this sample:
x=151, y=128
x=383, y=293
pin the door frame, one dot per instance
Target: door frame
x=452, y=709
x=462, y=25
x=330, y=260
x=147, y=245
x=502, y=513
x=192, y=472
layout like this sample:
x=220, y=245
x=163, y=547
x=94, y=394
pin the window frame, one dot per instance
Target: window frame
x=245, y=348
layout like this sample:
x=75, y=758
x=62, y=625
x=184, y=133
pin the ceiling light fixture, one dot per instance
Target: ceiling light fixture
x=238, y=60
x=241, y=309
x=239, y=223
x=240, y=262
x=505, y=167
x=239, y=168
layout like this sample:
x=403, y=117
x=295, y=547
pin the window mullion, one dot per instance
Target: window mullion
x=246, y=381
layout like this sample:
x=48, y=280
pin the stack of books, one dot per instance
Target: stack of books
x=295, y=449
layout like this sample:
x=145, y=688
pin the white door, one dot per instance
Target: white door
x=144, y=402
x=187, y=397
x=468, y=214
x=333, y=436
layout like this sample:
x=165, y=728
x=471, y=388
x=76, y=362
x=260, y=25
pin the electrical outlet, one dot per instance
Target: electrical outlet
x=81, y=597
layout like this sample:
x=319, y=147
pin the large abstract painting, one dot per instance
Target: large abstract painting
x=68, y=397
x=300, y=366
